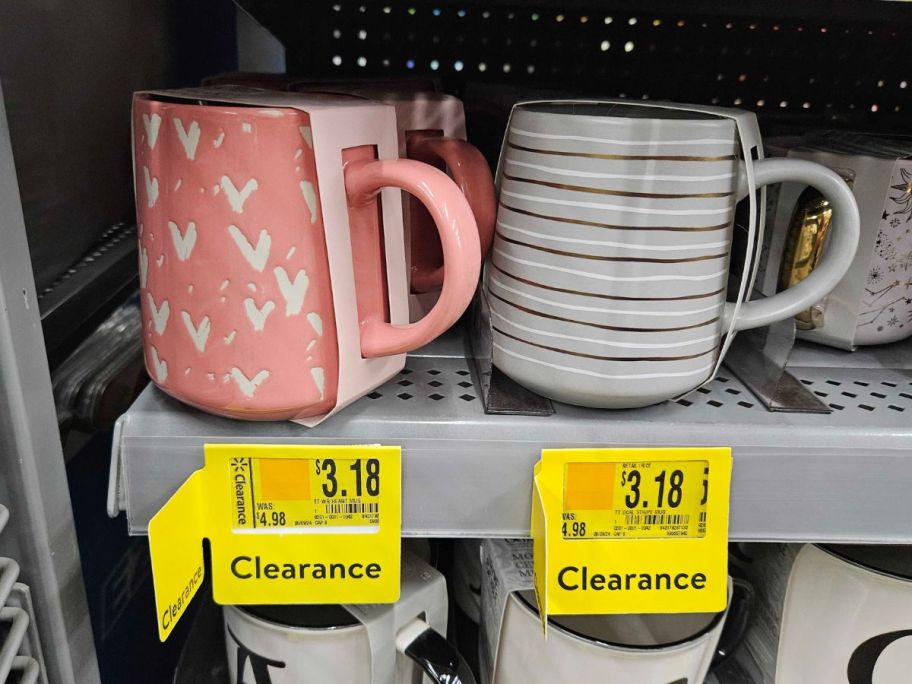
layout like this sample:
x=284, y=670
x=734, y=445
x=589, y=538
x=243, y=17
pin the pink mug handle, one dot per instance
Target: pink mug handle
x=458, y=236
x=471, y=172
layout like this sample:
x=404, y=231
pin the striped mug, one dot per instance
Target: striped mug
x=608, y=274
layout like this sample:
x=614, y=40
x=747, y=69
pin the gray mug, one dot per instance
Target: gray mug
x=607, y=278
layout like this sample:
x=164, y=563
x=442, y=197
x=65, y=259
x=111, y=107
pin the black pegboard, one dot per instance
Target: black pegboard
x=799, y=65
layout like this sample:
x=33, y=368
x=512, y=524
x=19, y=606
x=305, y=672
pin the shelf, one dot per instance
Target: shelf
x=88, y=291
x=797, y=477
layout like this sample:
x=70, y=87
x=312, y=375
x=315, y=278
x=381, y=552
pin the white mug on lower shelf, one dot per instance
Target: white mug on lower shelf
x=334, y=644
x=594, y=649
x=604, y=649
x=847, y=617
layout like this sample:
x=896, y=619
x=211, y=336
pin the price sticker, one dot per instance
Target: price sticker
x=285, y=524
x=631, y=530
x=306, y=493
x=635, y=500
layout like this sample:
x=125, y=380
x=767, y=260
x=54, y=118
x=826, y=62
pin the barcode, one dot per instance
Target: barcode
x=636, y=520
x=339, y=508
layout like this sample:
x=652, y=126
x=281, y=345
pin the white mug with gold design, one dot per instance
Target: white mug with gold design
x=608, y=274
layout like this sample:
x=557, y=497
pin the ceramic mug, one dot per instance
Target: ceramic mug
x=236, y=285
x=604, y=649
x=847, y=616
x=607, y=279
x=332, y=644
x=882, y=310
x=431, y=130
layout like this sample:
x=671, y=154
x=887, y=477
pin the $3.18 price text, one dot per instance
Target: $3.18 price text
x=635, y=499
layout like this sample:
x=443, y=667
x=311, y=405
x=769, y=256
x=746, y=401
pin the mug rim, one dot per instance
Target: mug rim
x=831, y=550
x=247, y=612
x=616, y=110
x=717, y=618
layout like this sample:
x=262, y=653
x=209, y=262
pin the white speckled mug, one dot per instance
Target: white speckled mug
x=608, y=274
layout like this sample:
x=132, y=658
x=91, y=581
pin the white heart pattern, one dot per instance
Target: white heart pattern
x=143, y=266
x=189, y=139
x=159, y=314
x=307, y=134
x=316, y=322
x=293, y=292
x=247, y=385
x=229, y=338
x=307, y=189
x=255, y=256
x=151, y=124
x=219, y=140
x=319, y=379
x=200, y=334
x=183, y=244
x=161, y=367
x=151, y=187
x=235, y=197
x=258, y=315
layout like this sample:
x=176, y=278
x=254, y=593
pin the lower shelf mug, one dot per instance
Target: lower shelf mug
x=847, y=616
x=604, y=649
x=333, y=644
x=608, y=274
x=618, y=649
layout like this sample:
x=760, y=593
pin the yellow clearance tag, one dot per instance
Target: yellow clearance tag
x=286, y=524
x=631, y=530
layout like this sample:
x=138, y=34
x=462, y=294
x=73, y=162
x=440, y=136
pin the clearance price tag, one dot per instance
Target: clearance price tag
x=286, y=524
x=635, y=500
x=631, y=530
x=294, y=493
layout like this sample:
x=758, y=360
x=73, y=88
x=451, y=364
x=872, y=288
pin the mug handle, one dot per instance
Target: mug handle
x=836, y=260
x=437, y=657
x=741, y=609
x=458, y=236
x=472, y=174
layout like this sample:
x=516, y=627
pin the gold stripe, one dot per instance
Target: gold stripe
x=640, y=260
x=633, y=157
x=599, y=325
x=604, y=296
x=603, y=358
x=617, y=193
x=595, y=224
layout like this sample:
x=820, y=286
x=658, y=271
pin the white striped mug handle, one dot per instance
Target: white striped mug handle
x=838, y=253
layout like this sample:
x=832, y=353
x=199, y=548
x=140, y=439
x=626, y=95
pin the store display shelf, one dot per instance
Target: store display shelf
x=797, y=477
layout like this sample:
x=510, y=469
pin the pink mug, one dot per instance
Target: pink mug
x=470, y=170
x=431, y=129
x=236, y=283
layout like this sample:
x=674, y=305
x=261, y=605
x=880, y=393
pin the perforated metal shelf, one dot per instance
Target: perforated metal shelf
x=800, y=477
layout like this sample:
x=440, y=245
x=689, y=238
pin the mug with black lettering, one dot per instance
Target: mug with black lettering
x=330, y=644
x=847, y=616
x=604, y=649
